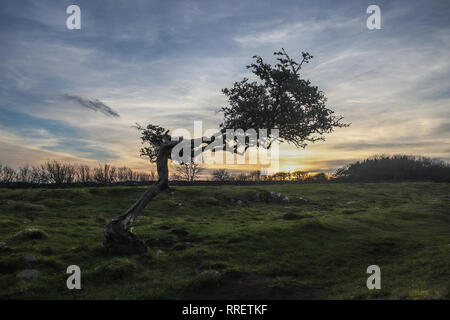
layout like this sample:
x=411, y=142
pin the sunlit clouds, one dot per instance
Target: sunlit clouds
x=167, y=63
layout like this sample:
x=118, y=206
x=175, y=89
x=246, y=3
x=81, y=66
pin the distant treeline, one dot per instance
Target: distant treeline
x=376, y=168
x=223, y=175
x=55, y=172
x=397, y=167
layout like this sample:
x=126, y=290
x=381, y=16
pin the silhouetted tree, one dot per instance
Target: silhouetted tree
x=320, y=177
x=7, y=174
x=279, y=99
x=221, y=175
x=84, y=174
x=104, y=173
x=299, y=175
x=188, y=171
x=397, y=167
x=58, y=172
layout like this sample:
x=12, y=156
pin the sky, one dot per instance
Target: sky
x=74, y=95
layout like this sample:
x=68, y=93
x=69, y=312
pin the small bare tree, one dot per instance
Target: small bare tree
x=58, y=172
x=221, y=175
x=38, y=175
x=188, y=171
x=104, y=173
x=84, y=174
x=7, y=174
x=24, y=174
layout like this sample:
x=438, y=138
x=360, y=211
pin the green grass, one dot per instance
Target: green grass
x=325, y=244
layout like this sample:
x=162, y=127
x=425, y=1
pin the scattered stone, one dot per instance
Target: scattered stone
x=30, y=234
x=303, y=199
x=159, y=251
x=275, y=195
x=179, y=204
x=350, y=203
x=82, y=248
x=28, y=274
x=285, y=199
x=29, y=258
x=239, y=202
x=2, y=243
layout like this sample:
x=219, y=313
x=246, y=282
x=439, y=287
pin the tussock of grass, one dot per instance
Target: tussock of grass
x=115, y=269
x=8, y=223
x=30, y=234
x=15, y=205
x=57, y=203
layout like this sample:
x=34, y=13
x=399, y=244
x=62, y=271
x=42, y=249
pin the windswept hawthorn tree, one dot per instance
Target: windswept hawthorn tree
x=279, y=99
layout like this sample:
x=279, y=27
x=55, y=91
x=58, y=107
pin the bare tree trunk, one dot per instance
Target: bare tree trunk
x=117, y=236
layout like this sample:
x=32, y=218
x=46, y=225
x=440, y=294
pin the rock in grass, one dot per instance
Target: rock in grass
x=285, y=199
x=30, y=234
x=304, y=200
x=275, y=195
x=29, y=258
x=28, y=274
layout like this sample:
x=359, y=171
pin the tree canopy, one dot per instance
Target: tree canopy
x=279, y=99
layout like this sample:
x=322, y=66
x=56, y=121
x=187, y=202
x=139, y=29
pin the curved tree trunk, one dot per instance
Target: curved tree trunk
x=117, y=236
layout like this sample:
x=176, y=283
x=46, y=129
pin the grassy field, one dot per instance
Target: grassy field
x=205, y=243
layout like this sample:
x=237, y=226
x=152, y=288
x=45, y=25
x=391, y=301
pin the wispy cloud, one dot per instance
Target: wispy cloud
x=95, y=105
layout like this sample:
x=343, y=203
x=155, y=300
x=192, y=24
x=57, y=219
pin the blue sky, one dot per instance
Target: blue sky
x=165, y=62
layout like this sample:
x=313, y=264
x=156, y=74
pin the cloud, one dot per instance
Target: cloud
x=95, y=105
